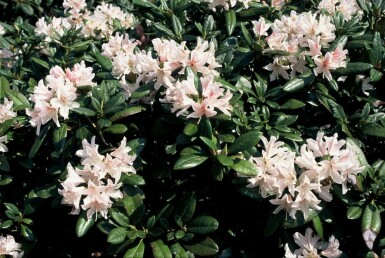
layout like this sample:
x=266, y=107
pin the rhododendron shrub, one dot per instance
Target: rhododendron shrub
x=183, y=128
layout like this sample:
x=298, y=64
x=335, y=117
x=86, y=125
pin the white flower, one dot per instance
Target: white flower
x=3, y=148
x=8, y=246
x=2, y=30
x=6, y=111
x=260, y=27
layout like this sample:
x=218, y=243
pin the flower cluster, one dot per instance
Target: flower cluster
x=8, y=246
x=302, y=35
x=322, y=162
x=57, y=95
x=171, y=59
x=97, y=181
x=348, y=8
x=309, y=246
x=97, y=24
x=183, y=95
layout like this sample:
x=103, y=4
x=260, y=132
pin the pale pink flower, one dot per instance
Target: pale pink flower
x=72, y=189
x=3, y=147
x=80, y=75
x=201, y=109
x=89, y=154
x=260, y=27
x=8, y=246
x=324, y=65
x=332, y=251
x=310, y=246
x=6, y=111
x=77, y=5
x=64, y=100
x=277, y=69
x=307, y=243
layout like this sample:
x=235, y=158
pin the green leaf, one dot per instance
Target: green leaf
x=132, y=179
x=376, y=56
x=253, y=11
x=160, y=250
x=176, y=25
x=298, y=83
x=84, y=111
x=207, y=247
x=245, y=167
x=209, y=143
x=27, y=9
x=231, y=21
x=273, y=223
x=20, y=102
x=117, y=235
x=116, y=129
x=4, y=85
x=13, y=208
x=244, y=142
x=337, y=110
x=137, y=145
x=352, y=68
x=375, y=130
x=317, y=224
x=143, y=91
x=119, y=217
x=189, y=161
x=355, y=211
x=39, y=140
x=6, y=224
x=224, y=160
x=246, y=35
x=133, y=204
x=4, y=166
x=338, y=41
x=190, y=129
x=83, y=225
x=203, y=225
x=104, y=62
x=136, y=251
x=129, y=111
x=292, y=104
x=59, y=138
x=186, y=207
x=40, y=62
x=178, y=251
x=27, y=233
x=163, y=29
x=371, y=218
x=375, y=75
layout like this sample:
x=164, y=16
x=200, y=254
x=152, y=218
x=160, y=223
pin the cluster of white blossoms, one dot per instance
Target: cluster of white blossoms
x=301, y=35
x=183, y=95
x=311, y=246
x=56, y=95
x=322, y=163
x=8, y=246
x=96, y=24
x=93, y=186
x=134, y=68
x=348, y=8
